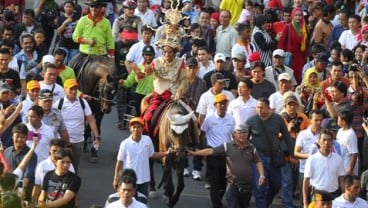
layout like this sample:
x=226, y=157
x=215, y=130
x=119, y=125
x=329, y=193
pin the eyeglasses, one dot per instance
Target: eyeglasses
x=129, y=8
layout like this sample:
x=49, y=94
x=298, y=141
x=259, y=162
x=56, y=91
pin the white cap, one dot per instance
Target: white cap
x=278, y=52
x=220, y=56
x=284, y=76
x=48, y=59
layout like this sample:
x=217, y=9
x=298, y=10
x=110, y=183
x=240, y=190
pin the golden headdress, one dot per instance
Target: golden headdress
x=171, y=34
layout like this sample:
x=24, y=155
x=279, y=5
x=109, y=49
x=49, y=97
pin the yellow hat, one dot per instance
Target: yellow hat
x=70, y=83
x=136, y=120
x=33, y=84
x=220, y=97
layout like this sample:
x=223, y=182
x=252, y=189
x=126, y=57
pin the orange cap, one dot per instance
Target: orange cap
x=33, y=84
x=220, y=97
x=70, y=83
x=136, y=120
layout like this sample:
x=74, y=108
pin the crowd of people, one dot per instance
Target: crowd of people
x=279, y=89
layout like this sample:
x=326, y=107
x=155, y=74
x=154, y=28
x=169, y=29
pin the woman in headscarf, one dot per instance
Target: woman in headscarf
x=262, y=40
x=294, y=40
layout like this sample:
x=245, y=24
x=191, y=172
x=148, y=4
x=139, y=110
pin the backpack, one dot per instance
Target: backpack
x=61, y=102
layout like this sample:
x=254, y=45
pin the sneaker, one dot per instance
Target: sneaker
x=207, y=185
x=152, y=194
x=186, y=172
x=196, y=175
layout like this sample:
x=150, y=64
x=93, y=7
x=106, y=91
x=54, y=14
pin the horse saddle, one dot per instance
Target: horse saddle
x=156, y=117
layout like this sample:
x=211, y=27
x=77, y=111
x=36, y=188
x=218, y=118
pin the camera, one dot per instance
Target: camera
x=296, y=124
x=354, y=67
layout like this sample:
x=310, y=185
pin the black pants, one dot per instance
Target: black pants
x=239, y=198
x=217, y=167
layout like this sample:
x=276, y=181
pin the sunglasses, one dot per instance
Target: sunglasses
x=130, y=8
x=95, y=6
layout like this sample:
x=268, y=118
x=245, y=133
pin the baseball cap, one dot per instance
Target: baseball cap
x=220, y=56
x=129, y=35
x=216, y=77
x=330, y=123
x=290, y=98
x=4, y=87
x=192, y=62
x=239, y=56
x=322, y=57
x=33, y=84
x=45, y=94
x=95, y=3
x=220, y=98
x=129, y=4
x=70, y=83
x=278, y=52
x=148, y=50
x=136, y=120
x=255, y=56
x=284, y=76
x=241, y=128
x=48, y=59
x=187, y=1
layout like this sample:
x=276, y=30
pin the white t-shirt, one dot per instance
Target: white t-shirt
x=203, y=70
x=135, y=53
x=42, y=149
x=58, y=91
x=148, y=18
x=134, y=204
x=349, y=140
x=341, y=202
x=323, y=171
x=26, y=105
x=277, y=102
x=305, y=139
x=45, y=166
x=74, y=116
x=241, y=110
x=348, y=40
x=135, y=155
x=206, y=102
x=218, y=130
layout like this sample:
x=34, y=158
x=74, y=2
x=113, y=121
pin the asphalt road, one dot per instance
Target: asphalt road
x=97, y=178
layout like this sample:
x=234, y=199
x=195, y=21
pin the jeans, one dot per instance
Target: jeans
x=197, y=163
x=287, y=185
x=236, y=199
x=143, y=188
x=264, y=194
x=70, y=53
x=120, y=98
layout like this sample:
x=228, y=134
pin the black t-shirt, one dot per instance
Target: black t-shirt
x=230, y=79
x=66, y=40
x=11, y=77
x=121, y=50
x=56, y=186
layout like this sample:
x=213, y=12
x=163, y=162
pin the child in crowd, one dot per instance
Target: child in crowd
x=40, y=39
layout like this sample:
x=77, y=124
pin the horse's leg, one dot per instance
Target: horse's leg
x=168, y=183
x=180, y=179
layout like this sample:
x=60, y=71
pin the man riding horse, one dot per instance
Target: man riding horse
x=169, y=80
x=94, y=64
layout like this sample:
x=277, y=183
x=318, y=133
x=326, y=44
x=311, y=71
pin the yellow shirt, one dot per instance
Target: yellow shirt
x=235, y=7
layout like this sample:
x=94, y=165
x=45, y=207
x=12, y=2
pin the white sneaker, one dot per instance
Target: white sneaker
x=186, y=172
x=207, y=185
x=196, y=175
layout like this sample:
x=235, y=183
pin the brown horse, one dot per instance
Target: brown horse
x=178, y=131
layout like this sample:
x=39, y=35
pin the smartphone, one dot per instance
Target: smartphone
x=33, y=136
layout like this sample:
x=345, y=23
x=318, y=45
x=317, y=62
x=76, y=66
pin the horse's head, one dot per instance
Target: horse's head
x=107, y=93
x=178, y=126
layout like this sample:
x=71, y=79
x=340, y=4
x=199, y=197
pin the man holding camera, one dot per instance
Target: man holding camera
x=335, y=75
x=295, y=122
